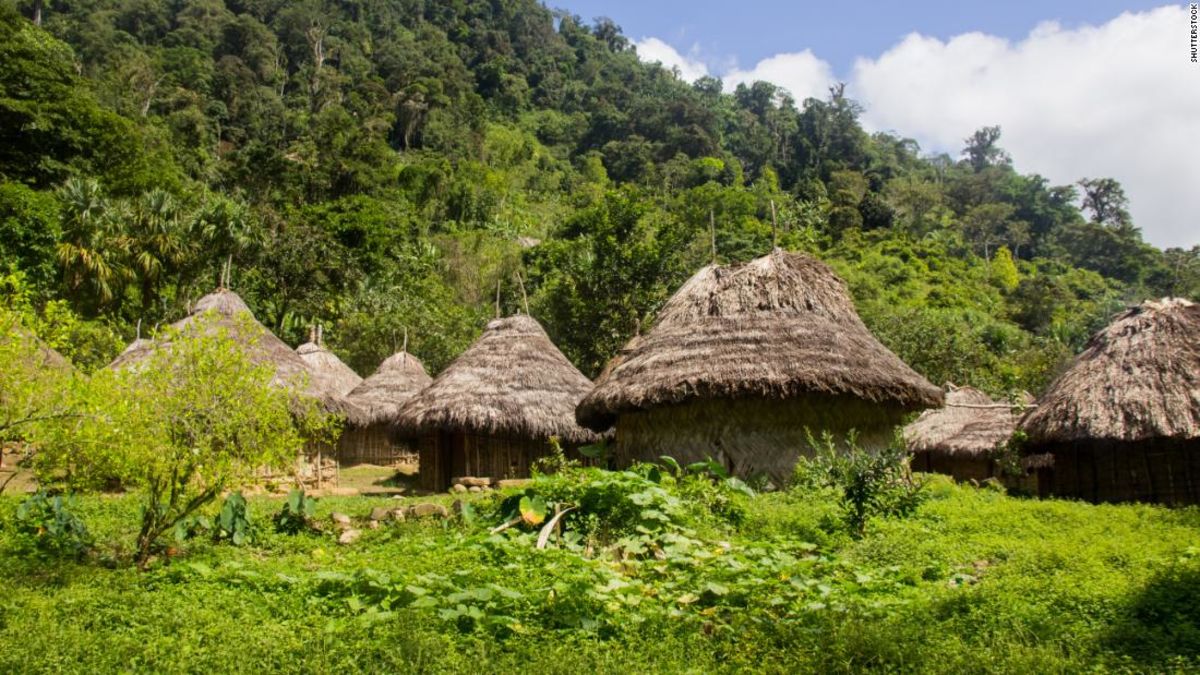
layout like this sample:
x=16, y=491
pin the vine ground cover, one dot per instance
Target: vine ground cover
x=708, y=580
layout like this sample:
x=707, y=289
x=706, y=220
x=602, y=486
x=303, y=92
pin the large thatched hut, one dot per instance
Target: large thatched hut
x=371, y=437
x=1123, y=422
x=492, y=411
x=964, y=438
x=742, y=360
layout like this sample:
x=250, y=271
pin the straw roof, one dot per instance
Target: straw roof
x=971, y=423
x=400, y=377
x=1137, y=379
x=231, y=314
x=329, y=374
x=512, y=381
x=777, y=327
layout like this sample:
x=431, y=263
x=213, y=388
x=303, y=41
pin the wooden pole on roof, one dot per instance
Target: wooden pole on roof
x=524, y=298
x=712, y=234
x=497, y=298
x=774, y=228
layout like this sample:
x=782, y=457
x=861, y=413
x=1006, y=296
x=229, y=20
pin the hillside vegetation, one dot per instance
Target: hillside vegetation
x=381, y=164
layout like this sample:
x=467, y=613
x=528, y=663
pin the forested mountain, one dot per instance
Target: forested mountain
x=376, y=165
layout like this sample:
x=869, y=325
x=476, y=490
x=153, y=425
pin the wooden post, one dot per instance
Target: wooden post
x=712, y=234
x=774, y=228
x=524, y=298
x=497, y=298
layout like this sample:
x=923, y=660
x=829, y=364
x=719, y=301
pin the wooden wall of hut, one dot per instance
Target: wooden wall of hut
x=375, y=444
x=960, y=466
x=750, y=437
x=1159, y=471
x=448, y=455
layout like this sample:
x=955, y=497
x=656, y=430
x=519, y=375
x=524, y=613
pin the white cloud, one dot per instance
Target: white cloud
x=653, y=50
x=801, y=73
x=1118, y=100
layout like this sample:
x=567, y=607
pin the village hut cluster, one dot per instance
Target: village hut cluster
x=746, y=364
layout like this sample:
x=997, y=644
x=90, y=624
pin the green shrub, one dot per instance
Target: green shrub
x=233, y=524
x=48, y=525
x=868, y=483
x=296, y=516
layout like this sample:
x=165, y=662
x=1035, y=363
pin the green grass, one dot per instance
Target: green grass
x=974, y=581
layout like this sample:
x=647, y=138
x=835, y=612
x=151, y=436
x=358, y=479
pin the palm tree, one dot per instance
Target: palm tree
x=85, y=252
x=154, y=242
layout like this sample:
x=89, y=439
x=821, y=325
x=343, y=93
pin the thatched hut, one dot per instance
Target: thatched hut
x=742, y=360
x=963, y=438
x=329, y=374
x=229, y=313
x=371, y=437
x=1123, y=422
x=492, y=411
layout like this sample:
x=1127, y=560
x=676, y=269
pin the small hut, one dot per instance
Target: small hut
x=329, y=374
x=1123, y=422
x=371, y=438
x=230, y=313
x=963, y=438
x=492, y=411
x=745, y=358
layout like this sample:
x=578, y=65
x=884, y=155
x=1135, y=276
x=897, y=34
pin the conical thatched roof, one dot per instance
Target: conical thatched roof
x=329, y=374
x=380, y=396
x=231, y=314
x=131, y=353
x=512, y=381
x=1137, y=379
x=971, y=423
x=777, y=327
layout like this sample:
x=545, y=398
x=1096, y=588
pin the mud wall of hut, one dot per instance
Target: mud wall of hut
x=1160, y=471
x=750, y=437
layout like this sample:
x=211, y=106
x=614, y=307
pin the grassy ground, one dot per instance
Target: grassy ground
x=974, y=581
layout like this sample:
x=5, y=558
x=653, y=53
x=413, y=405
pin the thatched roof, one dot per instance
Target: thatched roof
x=231, y=314
x=400, y=377
x=1137, y=379
x=511, y=382
x=971, y=423
x=48, y=357
x=777, y=327
x=329, y=374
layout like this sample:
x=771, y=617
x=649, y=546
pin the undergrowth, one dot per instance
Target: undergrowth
x=651, y=570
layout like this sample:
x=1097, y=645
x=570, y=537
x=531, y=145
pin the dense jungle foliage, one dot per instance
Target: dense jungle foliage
x=373, y=165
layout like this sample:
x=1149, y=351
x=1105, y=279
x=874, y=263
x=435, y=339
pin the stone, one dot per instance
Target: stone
x=475, y=488
x=513, y=483
x=349, y=537
x=427, y=509
x=458, y=487
x=399, y=515
x=374, y=524
x=472, y=481
x=380, y=513
x=340, y=520
x=457, y=507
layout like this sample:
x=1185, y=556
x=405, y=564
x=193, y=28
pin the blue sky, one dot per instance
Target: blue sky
x=748, y=31
x=1080, y=89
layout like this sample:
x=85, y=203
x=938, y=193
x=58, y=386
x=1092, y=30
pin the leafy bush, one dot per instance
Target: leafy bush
x=233, y=524
x=50, y=526
x=296, y=516
x=868, y=483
